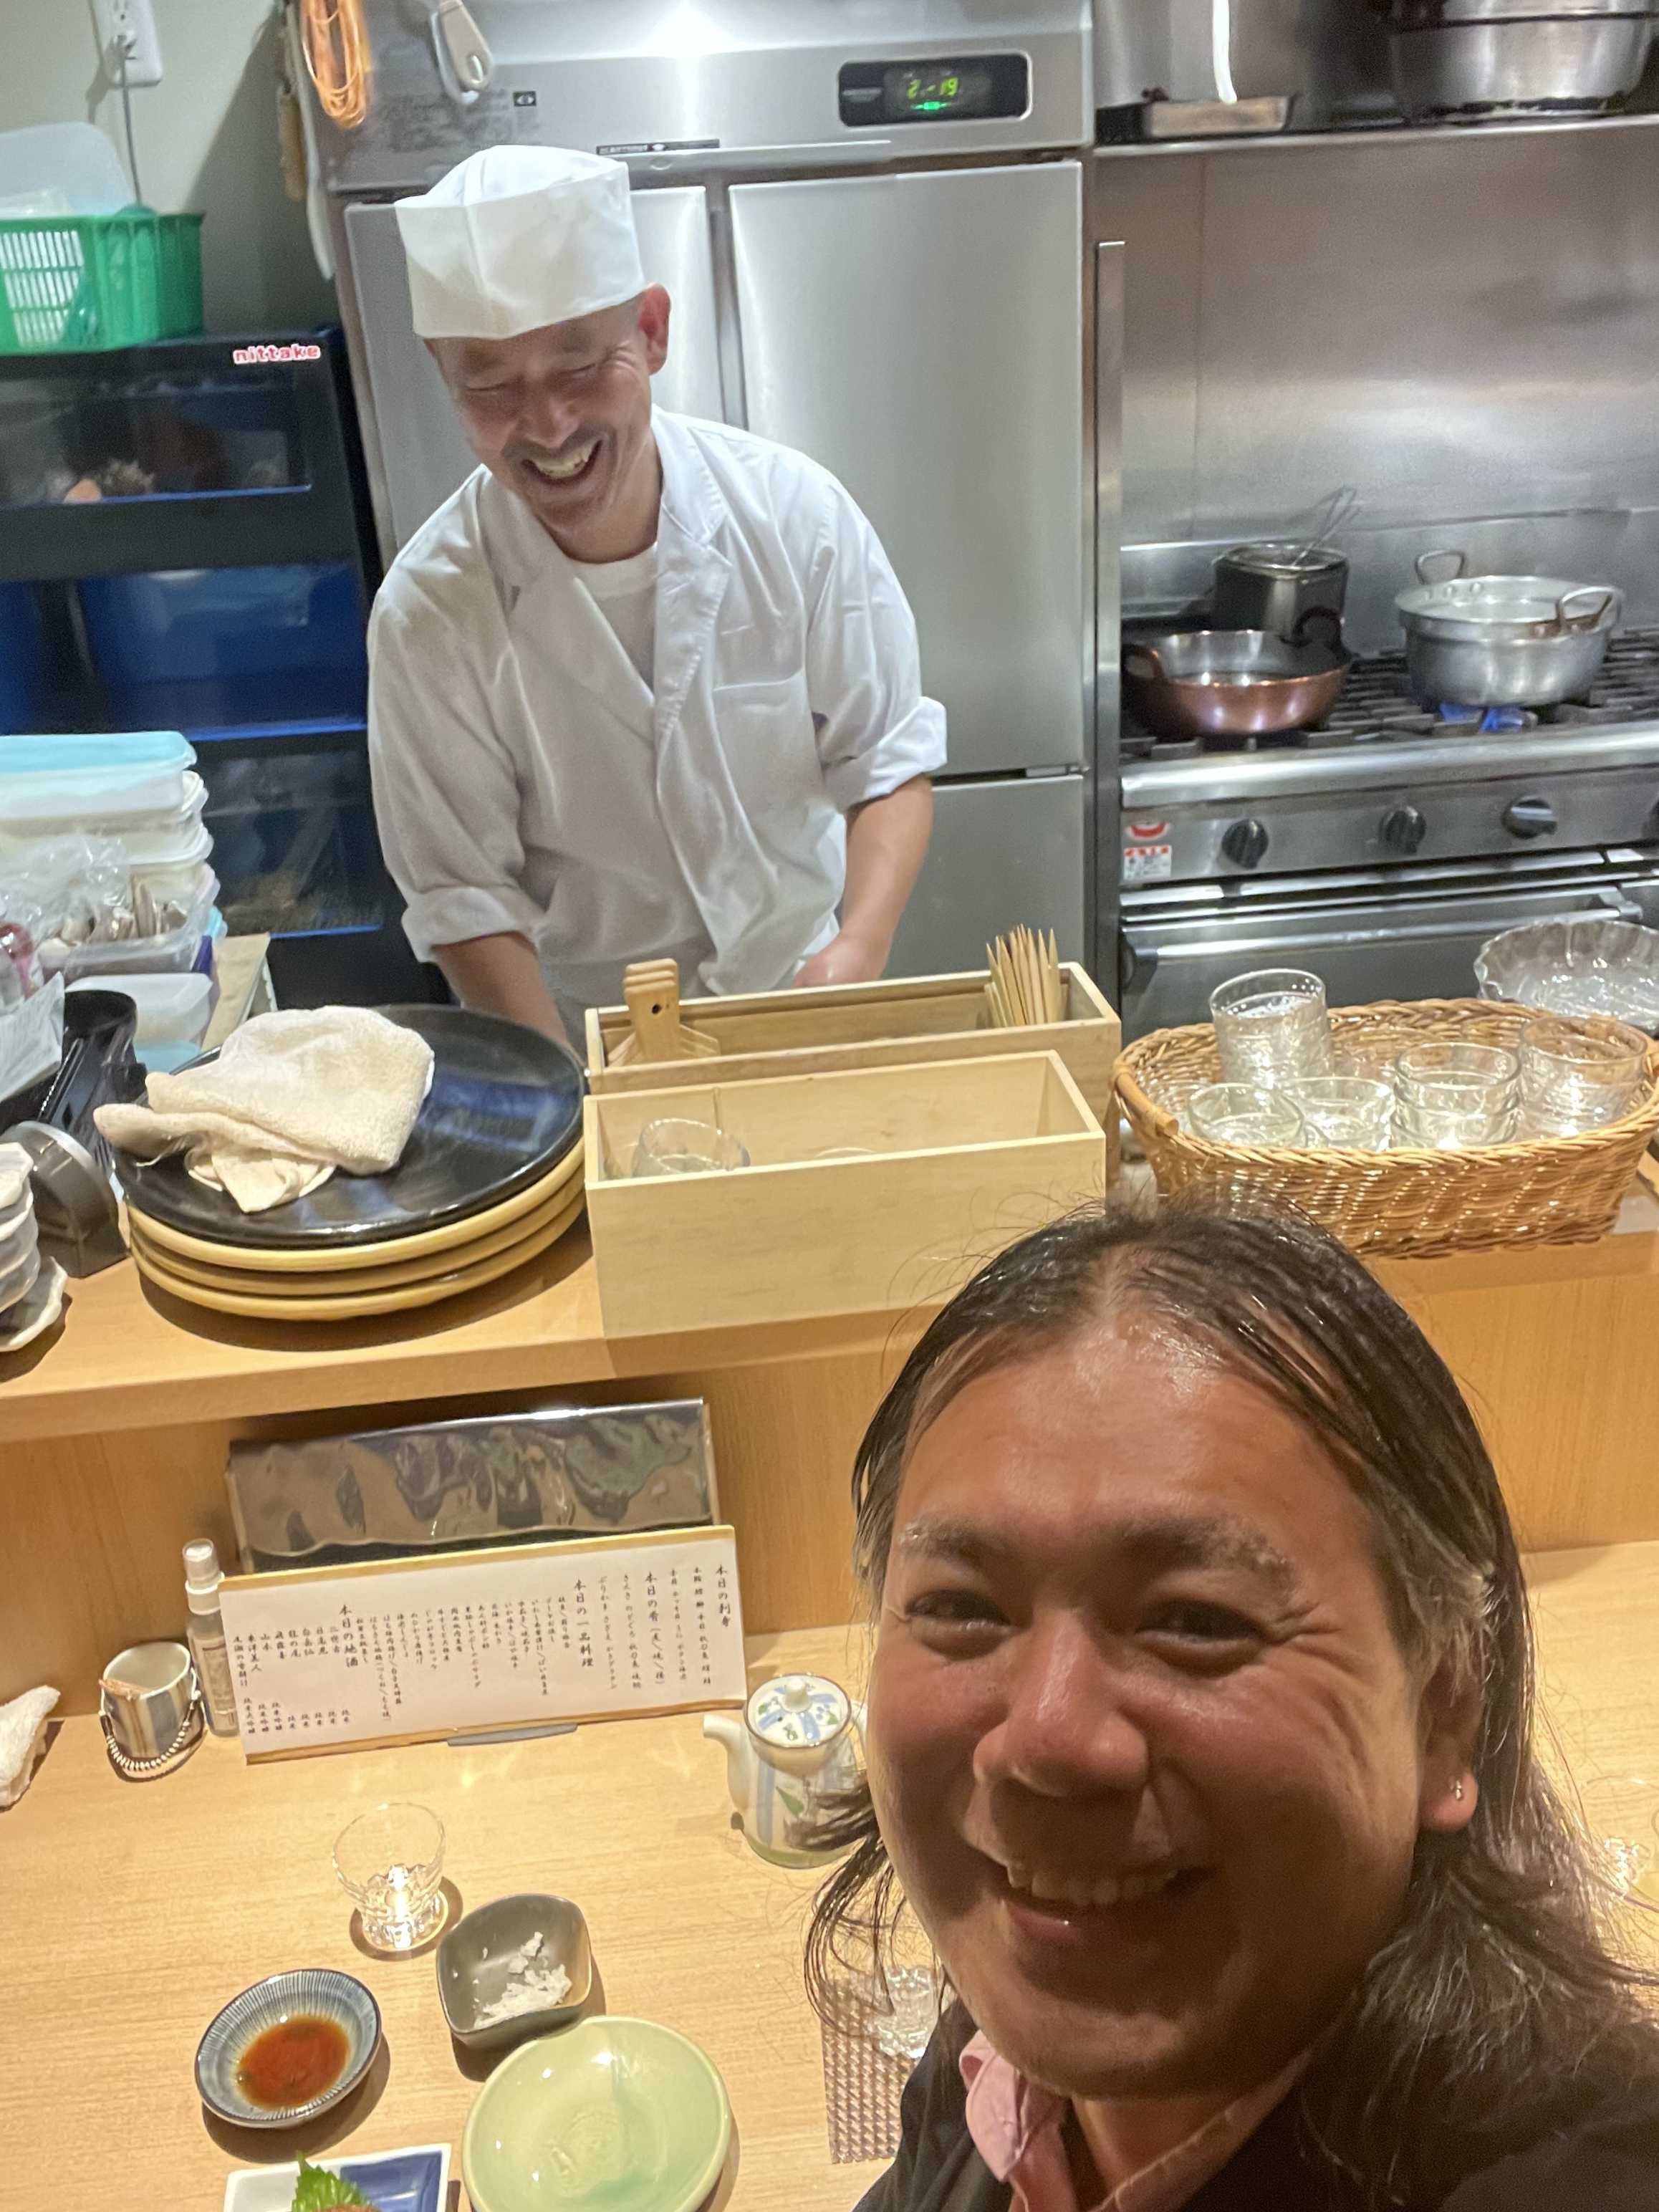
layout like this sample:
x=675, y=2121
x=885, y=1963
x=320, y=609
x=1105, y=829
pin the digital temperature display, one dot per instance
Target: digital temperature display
x=877, y=93
x=942, y=89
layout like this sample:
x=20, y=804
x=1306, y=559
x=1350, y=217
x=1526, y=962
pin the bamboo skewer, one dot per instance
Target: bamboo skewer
x=1023, y=986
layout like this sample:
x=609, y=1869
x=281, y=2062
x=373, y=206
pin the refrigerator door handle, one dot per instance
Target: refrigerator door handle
x=464, y=61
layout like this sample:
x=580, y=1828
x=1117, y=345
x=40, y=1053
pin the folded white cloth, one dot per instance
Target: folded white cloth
x=291, y=1096
x=23, y=1739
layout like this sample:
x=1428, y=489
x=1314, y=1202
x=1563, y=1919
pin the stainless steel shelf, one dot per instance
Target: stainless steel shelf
x=1378, y=134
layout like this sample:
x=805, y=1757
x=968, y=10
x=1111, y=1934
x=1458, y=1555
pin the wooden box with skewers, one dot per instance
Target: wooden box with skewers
x=1025, y=1000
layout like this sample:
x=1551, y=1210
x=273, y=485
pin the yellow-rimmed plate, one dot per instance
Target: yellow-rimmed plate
x=382, y=1275
x=452, y=1235
x=303, y=1303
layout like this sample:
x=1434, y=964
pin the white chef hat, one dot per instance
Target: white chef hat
x=517, y=237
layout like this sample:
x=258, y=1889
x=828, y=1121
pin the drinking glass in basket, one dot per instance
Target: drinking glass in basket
x=1450, y=1095
x=1577, y=1074
x=1349, y=1112
x=1270, y=1025
x=1243, y=1114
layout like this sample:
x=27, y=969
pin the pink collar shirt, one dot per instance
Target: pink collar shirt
x=1018, y=2129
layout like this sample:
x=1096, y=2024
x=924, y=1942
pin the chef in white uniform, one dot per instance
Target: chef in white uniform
x=644, y=685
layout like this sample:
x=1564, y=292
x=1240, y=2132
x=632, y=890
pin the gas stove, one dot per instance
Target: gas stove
x=1376, y=707
x=1388, y=782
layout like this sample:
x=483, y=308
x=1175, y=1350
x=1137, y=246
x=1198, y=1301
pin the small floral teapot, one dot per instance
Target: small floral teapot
x=795, y=1746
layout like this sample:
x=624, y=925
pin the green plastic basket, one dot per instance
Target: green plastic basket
x=83, y=284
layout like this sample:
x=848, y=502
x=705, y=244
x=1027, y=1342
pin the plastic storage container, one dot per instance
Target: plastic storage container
x=158, y=837
x=110, y=778
x=84, y=283
x=171, y=1009
x=175, y=952
x=175, y=875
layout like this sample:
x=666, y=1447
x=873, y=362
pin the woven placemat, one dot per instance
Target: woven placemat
x=861, y=2084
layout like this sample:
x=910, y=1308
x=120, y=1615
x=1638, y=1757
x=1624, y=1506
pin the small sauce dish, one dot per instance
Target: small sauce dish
x=486, y=1950
x=287, y=2049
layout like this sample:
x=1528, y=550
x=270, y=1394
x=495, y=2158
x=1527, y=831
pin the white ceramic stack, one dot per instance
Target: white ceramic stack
x=20, y=1250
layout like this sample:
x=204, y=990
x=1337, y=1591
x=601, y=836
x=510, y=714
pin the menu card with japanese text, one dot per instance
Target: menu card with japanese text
x=395, y=1650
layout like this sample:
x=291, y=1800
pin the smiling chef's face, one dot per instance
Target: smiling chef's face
x=1143, y=1747
x=562, y=415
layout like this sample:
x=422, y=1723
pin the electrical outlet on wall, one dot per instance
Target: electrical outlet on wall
x=128, y=25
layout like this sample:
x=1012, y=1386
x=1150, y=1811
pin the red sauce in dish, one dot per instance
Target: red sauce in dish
x=289, y=2064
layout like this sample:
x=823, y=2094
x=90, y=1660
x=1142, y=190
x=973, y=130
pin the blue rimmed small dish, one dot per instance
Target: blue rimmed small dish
x=309, y=1993
x=392, y=2181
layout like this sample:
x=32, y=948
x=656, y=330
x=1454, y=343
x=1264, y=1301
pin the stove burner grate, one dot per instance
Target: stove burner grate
x=1377, y=706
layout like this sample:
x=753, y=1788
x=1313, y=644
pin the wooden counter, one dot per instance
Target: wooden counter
x=133, y=1911
x=114, y=1431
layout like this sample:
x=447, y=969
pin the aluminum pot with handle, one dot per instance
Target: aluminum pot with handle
x=1503, y=640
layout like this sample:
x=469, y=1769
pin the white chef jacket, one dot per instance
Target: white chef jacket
x=526, y=779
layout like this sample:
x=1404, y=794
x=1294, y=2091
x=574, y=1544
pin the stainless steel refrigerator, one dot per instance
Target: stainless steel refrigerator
x=870, y=220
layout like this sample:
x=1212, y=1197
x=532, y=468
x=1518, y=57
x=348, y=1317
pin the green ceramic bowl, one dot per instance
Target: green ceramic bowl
x=612, y=2116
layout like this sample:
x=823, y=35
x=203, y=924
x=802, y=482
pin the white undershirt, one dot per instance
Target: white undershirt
x=626, y=594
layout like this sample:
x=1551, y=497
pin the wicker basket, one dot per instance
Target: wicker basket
x=1554, y=1190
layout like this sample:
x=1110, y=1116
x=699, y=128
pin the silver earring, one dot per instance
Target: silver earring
x=1457, y=1791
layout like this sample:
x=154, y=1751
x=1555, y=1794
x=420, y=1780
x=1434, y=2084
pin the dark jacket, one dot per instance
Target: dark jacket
x=1605, y=2160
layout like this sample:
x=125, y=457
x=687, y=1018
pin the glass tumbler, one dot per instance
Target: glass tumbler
x=391, y=1863
x=1577, y=1074
x=1243, y=1114
x=685, y=1147
x=1349, y=1112
x=1450, y=1095
x=1271, y=1025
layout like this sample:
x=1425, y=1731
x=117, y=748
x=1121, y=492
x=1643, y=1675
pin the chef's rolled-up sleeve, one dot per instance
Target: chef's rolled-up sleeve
x=875, y=729
x=446, y=796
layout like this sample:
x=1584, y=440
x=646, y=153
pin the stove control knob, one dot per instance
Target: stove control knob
x=1245, y=843
x=1403, y=828
x=1531, y=817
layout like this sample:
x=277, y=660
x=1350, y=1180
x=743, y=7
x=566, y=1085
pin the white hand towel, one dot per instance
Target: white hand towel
x=23, y=1739
x=292, y=1097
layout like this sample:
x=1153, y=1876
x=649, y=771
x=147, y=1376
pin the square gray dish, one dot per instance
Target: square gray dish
x=478, y=1954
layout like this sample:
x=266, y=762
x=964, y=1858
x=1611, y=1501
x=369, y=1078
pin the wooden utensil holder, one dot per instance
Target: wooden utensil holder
x=894, y=1023
x=868, y=1189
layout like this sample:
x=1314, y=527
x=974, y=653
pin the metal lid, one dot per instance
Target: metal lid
x=798, y=1711
x=1282, y=557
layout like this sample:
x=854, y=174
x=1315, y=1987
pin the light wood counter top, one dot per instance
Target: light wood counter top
x=128, y=1356
x=116, y=1429
x=133, y=1911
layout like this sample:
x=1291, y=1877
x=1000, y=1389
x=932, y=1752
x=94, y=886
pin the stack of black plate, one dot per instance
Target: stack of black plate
x=491, y=1177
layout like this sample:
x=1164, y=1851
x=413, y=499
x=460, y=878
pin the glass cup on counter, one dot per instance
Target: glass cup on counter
x=904, y=2012
x=1347, y=1112
x=1243, y=1114
x=1577, y=1074
x=1449, y=1097
x=390, y=1862
x=676, y=1146
x=1271, y=1025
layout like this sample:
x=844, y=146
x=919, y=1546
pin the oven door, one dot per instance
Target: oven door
x=1369, y=936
